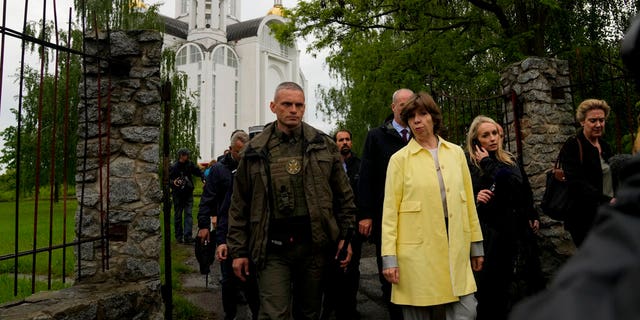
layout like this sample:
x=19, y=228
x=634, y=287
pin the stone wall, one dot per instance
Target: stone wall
x=117, y=179
x=547, y=120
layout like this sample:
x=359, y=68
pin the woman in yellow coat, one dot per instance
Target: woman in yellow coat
x=431, y=238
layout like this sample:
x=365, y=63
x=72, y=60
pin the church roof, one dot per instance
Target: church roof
x=175, y=27
x=236, y=31
x=244, y=29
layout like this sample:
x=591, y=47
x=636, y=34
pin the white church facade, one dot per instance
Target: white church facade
x=233, y=67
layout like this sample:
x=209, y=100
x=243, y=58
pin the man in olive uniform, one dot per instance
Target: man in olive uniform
x=291, y=203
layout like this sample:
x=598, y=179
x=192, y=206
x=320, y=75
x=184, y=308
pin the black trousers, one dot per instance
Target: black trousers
x=341, y=286
x=231, y=288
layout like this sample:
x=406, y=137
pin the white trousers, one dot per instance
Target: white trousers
x=465, y=309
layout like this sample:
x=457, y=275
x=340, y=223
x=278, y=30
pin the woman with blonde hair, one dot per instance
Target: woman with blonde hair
x=584, y=159
x=508, y=220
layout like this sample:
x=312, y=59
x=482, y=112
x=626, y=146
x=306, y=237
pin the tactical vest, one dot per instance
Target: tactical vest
x=290, y=216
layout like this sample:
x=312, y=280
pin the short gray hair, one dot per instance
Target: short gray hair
x=395, y=94
x=239, y=135
x=288, y=85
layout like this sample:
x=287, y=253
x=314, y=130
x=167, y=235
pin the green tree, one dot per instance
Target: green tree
x=37, y=144
x=47, y=109
x=184, y=113
x=455, y=46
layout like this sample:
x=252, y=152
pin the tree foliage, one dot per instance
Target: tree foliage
x=456, y=46
x=38, y=143
x=44, y=138
x=117, y=15
x=184, y=113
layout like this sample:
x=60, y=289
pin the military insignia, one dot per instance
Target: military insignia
x=293, y=166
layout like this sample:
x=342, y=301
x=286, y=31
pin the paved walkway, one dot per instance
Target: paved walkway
x=206, y=295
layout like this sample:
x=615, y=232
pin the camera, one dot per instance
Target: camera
x=180, y=182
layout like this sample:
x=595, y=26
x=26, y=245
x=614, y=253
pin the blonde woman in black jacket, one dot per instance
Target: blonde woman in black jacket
x=584, y=159
x=508, y=220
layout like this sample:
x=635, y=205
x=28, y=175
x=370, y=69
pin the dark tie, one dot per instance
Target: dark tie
x=405, y=136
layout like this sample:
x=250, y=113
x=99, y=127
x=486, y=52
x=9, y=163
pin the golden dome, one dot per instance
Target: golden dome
x=138, y=4
x=277, y=9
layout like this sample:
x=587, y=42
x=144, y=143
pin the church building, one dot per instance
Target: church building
x=233, y=66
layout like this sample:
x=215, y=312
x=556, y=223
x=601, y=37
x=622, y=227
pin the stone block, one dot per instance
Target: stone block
x=141, y=134
x=123, y=45
x=123, y=190
x=147, y=97
x=122, y=167
x=122, y=113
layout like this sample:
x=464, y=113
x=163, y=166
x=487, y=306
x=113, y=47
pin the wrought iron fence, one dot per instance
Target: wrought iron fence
x=458, y=112
x=40, y=148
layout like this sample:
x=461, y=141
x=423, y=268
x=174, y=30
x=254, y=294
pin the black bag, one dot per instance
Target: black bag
x=556, y=201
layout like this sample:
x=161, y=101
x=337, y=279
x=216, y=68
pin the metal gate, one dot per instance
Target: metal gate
x=45, y=58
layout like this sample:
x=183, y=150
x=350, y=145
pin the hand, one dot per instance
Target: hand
x=347, y=259
x=476, y=263
x=392, y=274
x=535, y=225
x=203, y=235
x=484, y=196
x=241, y=268
x=364, y=227
x=480, y=153
x=221, y=252
x=214, y=221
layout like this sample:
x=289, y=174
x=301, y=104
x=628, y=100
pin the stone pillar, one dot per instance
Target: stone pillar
x=121, y=159
x=545, y=110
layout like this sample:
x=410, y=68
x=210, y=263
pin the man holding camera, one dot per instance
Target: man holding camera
x=181, y=182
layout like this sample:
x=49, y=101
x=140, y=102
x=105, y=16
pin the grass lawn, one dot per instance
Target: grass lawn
x=182, y=309
x=26, y=242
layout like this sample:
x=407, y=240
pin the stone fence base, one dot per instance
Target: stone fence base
x=108, y=301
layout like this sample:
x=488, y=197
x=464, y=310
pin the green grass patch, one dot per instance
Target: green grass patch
x=26, y=242
x=183, y=309
x=24, y=287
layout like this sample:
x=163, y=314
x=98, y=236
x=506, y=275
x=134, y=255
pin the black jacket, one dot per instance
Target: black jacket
x=185, y=170
x=353, y=171
x=584, y=177
x=512, y=189
x=216, y=197
x=380, y=145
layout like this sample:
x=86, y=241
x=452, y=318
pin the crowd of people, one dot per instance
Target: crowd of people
x=454, y=228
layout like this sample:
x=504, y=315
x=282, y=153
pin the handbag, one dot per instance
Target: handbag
x=556, y=201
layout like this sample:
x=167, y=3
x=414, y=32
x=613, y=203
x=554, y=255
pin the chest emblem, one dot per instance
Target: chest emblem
x=293, y=166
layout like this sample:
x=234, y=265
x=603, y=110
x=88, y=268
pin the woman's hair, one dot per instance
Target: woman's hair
x=502, y=155
x=422, y=101
x=591, y=104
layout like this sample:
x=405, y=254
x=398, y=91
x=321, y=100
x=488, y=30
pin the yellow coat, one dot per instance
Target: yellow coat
x=433, y=268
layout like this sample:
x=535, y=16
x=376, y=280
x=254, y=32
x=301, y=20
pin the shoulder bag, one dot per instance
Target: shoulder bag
x=555, y=201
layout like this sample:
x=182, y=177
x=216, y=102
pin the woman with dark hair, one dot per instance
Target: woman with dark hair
x=508, y=220
x=584, y=159
x=431, y=238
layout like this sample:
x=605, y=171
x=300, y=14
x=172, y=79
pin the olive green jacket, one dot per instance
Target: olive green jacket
x=329, y=197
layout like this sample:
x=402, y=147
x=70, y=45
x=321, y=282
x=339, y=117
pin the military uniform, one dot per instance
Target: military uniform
x=291, y=202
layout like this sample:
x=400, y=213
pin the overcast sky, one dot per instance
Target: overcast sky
x=313, y=68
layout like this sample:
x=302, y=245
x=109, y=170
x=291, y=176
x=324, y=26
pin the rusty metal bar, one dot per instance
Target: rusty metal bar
x=66, y=156
x=36, y=205
x=85, y=145
x=54, y=128
x=18, y=153
x=2, y=42
x=100, y=159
